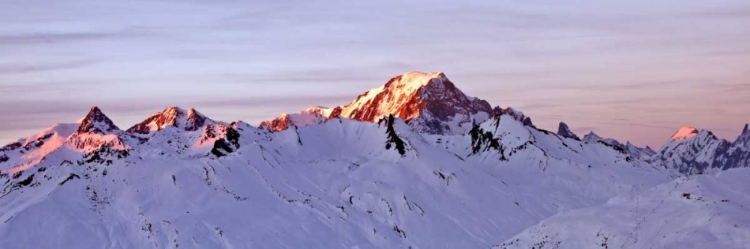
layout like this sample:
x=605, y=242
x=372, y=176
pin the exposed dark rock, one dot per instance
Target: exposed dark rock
x=70, y=177
x=228, y=144
x=485, y=141
x=393, y=139
x=564, y=131
x=11, y=146
x=27, y=181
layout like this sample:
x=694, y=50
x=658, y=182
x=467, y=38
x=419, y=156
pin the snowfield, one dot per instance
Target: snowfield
x=702, y=211
x=182, y=180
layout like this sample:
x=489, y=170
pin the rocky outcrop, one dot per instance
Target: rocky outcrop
x=564, y=131
x=190, y=120
x=96, y=122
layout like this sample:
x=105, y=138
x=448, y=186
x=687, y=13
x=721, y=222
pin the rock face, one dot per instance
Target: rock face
x=738, y=154
x=190, y=120
x=428, y=102
x=96, y=122
x=743, y=140
x=564, y=131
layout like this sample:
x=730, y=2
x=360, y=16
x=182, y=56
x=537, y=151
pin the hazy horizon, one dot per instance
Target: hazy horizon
x=633, y=71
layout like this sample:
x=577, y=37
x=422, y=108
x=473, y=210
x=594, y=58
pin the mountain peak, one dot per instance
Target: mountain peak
x=429, y=98
x=412, y=80
x=518, y=115
x=684, y=133
x=743, y=139
x=564, y=131
x=312, y=115
x=96, y=122
x=591, y=137
x=428, y=102
x=189, y=120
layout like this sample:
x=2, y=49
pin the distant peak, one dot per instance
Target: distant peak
x=188, y=120
x=591, y=137
x=564, y=131
x=684, y=133
x=518, y=115
x=309, y=116
x=430, y=97
x=744, y=138
x=96, y=122
x=95, y=109
x=325, y=111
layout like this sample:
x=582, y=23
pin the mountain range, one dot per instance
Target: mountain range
x=415, y=163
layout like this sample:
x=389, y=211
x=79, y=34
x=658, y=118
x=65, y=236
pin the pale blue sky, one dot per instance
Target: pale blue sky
x=635, y=70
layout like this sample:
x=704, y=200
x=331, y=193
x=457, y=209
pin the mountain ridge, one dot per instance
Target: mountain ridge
x=181, y=179
x=429, y=102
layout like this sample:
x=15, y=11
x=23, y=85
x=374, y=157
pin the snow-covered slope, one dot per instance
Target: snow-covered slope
x=704, y=211
x=415, y=163
x=343, y=183
x=35, y=147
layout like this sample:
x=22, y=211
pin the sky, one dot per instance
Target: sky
x=631, y=70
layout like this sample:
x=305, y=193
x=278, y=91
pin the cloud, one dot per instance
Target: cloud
x=64, y=37
x=274, y=101
x=27, y=68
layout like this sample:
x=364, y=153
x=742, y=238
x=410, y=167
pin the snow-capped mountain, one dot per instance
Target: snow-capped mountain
x=350, y=183
x=412, y=164
x=96, y=122
x=518, y=115
x=189, y=120
x=313, y=115
x=645, y=153
x=429, y=102
x=694, y=151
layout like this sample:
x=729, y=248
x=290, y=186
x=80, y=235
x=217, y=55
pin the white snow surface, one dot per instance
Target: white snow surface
x=330, y=185
x=702, y=211
x=487, y=180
